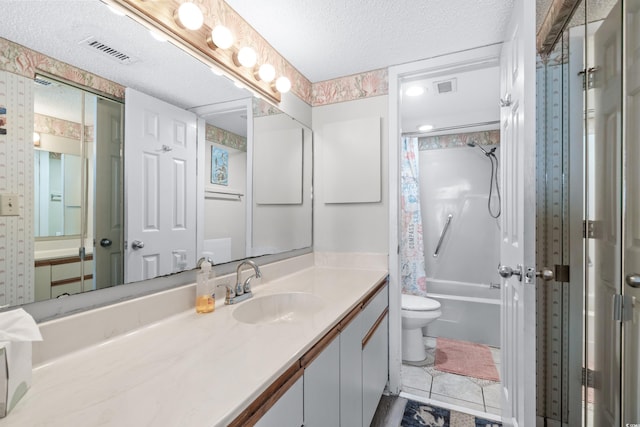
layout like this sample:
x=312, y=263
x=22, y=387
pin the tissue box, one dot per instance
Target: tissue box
x=15, y=373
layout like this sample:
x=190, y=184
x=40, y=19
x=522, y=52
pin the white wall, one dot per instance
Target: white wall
x=358, y=227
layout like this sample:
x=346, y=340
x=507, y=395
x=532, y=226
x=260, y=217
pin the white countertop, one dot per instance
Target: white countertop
x=190, y=369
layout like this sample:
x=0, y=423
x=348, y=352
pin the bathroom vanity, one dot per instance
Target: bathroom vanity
x=310, y=347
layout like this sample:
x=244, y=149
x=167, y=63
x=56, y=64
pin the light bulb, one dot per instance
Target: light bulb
x=283, y=84
x=425, y=128
x=221, y=37
x=36, y=138
x=247, y=57
x=267, y=73
x=217, y=71
x=190, y=16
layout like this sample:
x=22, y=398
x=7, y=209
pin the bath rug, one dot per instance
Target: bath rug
x=418, y=414
x=465, y=358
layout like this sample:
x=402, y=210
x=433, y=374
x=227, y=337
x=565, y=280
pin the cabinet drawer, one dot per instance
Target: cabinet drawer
x=70, y=270
x=373, y=309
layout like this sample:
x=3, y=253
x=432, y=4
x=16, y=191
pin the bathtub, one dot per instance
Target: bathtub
x=470, y=311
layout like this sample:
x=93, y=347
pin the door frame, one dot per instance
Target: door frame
x=481, y=55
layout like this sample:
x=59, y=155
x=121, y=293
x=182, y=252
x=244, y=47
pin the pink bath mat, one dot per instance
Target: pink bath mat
x=465, y=358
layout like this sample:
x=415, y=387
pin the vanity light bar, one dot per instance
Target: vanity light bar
x=157, y=15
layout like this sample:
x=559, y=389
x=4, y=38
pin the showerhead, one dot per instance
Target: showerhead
x=475, y=144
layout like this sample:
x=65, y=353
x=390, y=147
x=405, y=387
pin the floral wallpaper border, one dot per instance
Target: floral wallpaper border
x=490, y=137
x=349, y=88
x=226, y=138
x=18, y=59
x=59, y=127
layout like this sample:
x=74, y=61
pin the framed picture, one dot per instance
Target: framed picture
x=3, y=120
x=219, y=166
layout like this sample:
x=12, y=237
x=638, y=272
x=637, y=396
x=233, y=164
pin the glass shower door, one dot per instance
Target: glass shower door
x=631, y=260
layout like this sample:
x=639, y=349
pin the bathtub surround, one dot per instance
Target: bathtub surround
x=412, y=263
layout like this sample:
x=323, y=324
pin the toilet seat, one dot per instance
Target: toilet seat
x=416, y=303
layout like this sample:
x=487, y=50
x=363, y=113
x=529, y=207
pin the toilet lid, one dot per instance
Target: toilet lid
x=416, y=303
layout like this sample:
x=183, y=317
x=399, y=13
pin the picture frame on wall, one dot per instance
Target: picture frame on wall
x=219, y=166
x=3, y=120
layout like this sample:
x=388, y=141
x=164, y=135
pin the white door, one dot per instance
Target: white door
x=517, y=247
x=604, y=282
x=108, y=247
x=160, y=165
x=631, y=287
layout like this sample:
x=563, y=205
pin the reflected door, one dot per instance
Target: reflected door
x=108, y=246
x=631, y=272
x=603, y=282
x=160, y=149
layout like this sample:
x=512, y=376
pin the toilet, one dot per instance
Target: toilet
x=417, y=312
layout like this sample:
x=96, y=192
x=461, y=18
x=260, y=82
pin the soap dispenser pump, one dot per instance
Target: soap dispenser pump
x=204, y=295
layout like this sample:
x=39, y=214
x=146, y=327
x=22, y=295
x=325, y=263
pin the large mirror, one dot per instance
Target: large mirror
x=236, y=134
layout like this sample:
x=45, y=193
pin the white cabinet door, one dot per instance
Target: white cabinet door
x=374, y=370
x=351, y=373
x=287, y=411
x=322, y=388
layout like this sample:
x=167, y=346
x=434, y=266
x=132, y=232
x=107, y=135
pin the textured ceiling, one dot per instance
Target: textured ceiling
x=56, y=27
x=335, y=38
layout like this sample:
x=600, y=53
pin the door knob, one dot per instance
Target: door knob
x=545, y=274
x=507, y=272
x=105, y=243
x=633, y=280
x=137, y=244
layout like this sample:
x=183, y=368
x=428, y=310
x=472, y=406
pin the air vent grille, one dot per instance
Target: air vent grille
x=446, y=86
x=42, y=82
x=109, y=51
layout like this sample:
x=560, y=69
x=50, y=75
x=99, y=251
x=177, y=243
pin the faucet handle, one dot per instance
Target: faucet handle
x=230, y=290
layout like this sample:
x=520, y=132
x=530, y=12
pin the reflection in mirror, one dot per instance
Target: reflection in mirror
x=282, y=181
x=225, y=181
x=77, y=154
x=45, y=39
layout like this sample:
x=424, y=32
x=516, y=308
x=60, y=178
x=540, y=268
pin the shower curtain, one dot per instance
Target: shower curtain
x=411, y=246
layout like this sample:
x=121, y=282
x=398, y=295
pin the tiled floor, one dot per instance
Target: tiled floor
x=468, y=392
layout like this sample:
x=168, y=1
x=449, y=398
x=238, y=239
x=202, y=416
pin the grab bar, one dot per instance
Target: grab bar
x=444, y=232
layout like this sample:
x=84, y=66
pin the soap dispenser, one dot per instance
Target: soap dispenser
x=205, y=302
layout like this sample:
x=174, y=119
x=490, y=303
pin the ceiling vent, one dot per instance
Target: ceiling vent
x=42, y=82
x=104, y=49
x=446, y=86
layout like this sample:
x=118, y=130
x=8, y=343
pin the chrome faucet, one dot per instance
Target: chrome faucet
x=242, y=290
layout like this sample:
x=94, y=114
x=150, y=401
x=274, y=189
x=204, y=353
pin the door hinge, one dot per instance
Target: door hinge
x=591, y=229
x=589, y=77
x=561, y=273
x=588, y=377
x=622, y=308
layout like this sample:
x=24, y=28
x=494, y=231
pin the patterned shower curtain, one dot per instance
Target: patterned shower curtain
x=412, y=261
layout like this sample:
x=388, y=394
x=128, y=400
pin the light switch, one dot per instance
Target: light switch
x=9, y=204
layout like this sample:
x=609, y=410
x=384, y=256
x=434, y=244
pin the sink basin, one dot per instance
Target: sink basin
x=277, y=308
